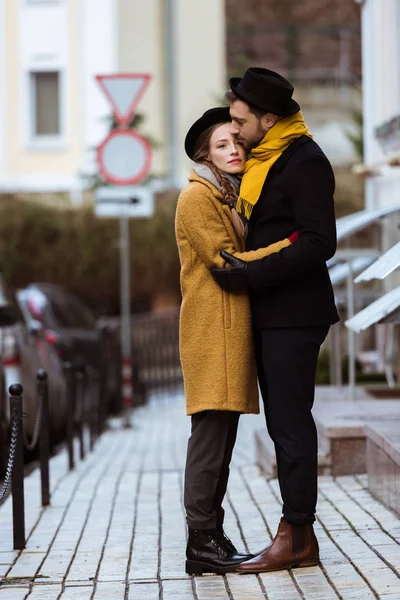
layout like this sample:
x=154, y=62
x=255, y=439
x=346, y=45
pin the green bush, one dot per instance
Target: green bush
x=323, y=377
x=75, y=249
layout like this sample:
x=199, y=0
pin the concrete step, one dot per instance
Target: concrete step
x=383, y=462
x=341, y=425
x=266, y=459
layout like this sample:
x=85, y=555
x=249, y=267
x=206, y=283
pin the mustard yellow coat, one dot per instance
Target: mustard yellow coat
x=216, y=347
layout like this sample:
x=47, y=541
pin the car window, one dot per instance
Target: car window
x=59, y=312
x=72, y=313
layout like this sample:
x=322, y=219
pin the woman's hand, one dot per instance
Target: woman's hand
x=234, y=277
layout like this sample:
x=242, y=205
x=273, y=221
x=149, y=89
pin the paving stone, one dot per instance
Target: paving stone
x=142, y=591
x=45, y=592
x=245, y=587
x=7, y=558
x=211, y=587
x=27, y=564
x=177, y=590
x=78, y=593
x=13, y=593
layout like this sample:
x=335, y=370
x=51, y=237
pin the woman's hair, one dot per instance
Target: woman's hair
x=201, y=152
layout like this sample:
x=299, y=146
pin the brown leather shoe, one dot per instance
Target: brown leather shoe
x=293, y=546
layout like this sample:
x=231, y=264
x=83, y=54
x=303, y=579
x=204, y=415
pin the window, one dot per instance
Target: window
x=45, y=97
x=69, y=312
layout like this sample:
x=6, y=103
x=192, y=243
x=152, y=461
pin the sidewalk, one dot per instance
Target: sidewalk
x=115, y=529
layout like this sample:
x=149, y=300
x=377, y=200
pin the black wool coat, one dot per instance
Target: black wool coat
x=292, y=288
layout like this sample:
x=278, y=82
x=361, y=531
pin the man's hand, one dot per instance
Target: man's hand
x=234, y=277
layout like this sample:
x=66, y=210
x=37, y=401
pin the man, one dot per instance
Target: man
x=287, y=186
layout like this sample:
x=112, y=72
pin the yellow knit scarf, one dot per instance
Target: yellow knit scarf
x=275, y=141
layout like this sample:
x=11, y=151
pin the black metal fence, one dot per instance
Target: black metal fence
x=155, y=349
x=155, y=352
x=84, y=411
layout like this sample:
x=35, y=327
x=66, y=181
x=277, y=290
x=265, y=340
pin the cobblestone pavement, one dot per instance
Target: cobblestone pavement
x=116, y=530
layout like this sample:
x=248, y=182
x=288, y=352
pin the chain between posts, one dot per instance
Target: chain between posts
x=11, y=456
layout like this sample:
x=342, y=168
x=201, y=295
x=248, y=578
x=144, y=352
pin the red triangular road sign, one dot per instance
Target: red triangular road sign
x=124, y=92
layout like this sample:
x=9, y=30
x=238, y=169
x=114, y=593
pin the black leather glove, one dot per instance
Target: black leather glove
x=234, y=277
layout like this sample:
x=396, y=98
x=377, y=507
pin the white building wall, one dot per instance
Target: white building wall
x=201, y=64
x=38, y=38
x=193, y=77
x=381, y=93
x=3, y=115
x=98, y=41
x=381, y=102
x=141, y=49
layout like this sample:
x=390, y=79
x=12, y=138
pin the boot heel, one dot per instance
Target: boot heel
x=193, y=568
x=309, y=563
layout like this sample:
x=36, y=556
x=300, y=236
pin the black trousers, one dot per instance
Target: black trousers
x=209, y=454
x=286, y=365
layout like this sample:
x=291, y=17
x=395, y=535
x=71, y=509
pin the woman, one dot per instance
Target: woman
x=215, y=335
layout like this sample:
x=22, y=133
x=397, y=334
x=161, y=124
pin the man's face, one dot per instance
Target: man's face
x=248, y=128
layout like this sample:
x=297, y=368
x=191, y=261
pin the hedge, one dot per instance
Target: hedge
x=76, y=249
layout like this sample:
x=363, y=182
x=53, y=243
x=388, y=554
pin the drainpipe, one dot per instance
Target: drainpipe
x=368, y=74
x=171, y=81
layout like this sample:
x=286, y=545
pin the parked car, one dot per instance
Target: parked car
x=23, y=351
x=70, y=326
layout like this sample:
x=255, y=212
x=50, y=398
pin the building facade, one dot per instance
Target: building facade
x=52, y=111
x=381, y=110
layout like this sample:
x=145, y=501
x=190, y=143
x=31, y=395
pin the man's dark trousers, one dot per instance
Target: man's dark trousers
x=286, y=363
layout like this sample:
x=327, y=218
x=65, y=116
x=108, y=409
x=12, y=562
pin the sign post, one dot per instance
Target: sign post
x=124, y=159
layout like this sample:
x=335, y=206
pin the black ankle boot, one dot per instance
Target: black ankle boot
x=231, y=547
x=206, y=552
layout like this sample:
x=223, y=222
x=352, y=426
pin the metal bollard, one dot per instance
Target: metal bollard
x=103, y=378
x=17, y=481
x=80, y=395
x=95, y=407
x=43, y=395
x=70, y=380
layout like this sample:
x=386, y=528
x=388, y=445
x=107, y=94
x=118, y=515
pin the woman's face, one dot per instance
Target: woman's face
x=225, y=152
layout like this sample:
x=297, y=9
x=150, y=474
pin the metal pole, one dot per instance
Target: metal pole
x=351, y=334
x=70, y=379
x=102, y=381
x=94, y=407
x=125, y=294
x=172, y=87
x=43, y=395
x=80, y=395
x=17, y=481
x=338, y=354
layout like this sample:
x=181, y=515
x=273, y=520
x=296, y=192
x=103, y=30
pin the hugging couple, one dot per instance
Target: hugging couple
x=255, y=226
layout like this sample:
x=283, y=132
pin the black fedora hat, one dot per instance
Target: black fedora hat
x=267, y=90
x=212, y=116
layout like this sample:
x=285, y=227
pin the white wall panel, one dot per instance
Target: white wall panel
x=99, y=56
